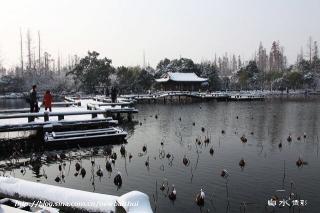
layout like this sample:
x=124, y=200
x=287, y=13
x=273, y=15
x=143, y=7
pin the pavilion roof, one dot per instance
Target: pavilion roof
x=181, y=77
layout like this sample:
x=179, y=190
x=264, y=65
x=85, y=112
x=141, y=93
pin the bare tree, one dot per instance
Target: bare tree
x=300, y=56
x=21, y=53
x=53, y=62
x=59, y=64
x=315, y=51
x=39, y=52
x=1, y=68
x=234, y=63
x=309, y=47
x=262, y=58
x=29, y=50
x=46, y=62
x=239, y=62
x=34, y=61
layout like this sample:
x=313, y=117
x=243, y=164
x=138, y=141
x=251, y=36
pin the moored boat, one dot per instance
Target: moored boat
x=84, y=137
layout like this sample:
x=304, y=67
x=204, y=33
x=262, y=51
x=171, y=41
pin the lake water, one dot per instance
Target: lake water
x=268, y=168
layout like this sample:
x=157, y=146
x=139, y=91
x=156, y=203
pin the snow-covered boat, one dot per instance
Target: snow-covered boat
x=111, y=134
x=72, y=200
x=9, y=205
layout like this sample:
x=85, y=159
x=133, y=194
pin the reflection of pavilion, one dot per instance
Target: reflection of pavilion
x=173, y=81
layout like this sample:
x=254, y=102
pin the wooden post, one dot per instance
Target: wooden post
x=108, y=114
x=30, y=118
x=129, y=117
x=46, y=116
x=60, y=117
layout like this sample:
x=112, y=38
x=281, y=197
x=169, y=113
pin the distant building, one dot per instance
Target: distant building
x=177, y=81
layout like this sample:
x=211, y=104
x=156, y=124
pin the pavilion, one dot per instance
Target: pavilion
x=177, y=81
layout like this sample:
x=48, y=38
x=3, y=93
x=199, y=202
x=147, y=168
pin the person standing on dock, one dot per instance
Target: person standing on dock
x=33, y=99
x=47, y=100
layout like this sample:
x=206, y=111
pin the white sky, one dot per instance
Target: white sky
x=123, y=29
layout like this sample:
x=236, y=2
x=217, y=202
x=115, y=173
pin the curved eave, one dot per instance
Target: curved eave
x=195, y=81
x=160, y=80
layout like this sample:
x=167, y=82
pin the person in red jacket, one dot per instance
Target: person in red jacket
x=47, y=100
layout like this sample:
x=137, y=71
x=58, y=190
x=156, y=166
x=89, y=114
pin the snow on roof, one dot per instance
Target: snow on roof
x=182, y=77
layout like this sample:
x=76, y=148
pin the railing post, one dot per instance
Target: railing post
x=60, y=117
x=94, y=115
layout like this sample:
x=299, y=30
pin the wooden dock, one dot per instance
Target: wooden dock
x=72, y=118
x=61, y=115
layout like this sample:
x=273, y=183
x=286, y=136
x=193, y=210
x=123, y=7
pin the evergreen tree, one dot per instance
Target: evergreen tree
x=92, y=72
